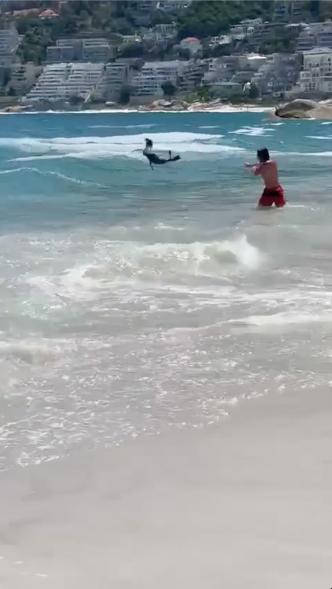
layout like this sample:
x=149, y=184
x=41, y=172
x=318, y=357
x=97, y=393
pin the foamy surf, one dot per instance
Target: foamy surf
x=109, y=269
x=118, y=145
x=253, y=131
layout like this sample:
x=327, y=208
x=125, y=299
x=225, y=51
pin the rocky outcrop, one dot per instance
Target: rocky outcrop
x=305, y=109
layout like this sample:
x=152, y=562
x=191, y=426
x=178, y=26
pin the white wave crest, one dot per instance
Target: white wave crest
x=283, y=319
x=31, y=352
x=252, y=131
x=122, y=126
x=111, y=146
x=305, y=153
x=122, y=262
x=319, y=137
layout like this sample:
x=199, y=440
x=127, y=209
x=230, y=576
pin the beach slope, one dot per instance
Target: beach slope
x=244, y=504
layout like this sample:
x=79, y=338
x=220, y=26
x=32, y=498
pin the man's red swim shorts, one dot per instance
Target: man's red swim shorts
x=272, y=196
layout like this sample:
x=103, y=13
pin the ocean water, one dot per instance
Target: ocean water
x=133, y=301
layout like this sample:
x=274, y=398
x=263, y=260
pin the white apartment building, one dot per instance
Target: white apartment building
x=72, y=49
x=23, y=76
x=9, y=42
x=316, y=76
x=315, y=35
x=64, y=80
x=223, y=69
x=50, y=83
x=116, y=75
x=148, y=82
x=245, y=28
x=82, y=79
x=160, y=34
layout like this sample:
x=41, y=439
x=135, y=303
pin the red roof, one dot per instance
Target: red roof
x=191, y=40
x=48, y=13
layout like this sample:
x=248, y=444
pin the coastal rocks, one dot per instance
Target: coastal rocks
x=305, y=109
x=177, y=105
x=15, y=108
x=165, y=105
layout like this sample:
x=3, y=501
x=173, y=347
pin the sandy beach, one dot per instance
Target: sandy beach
x=244, y=504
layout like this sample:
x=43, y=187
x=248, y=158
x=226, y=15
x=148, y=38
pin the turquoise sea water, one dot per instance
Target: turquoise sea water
x=134, y=301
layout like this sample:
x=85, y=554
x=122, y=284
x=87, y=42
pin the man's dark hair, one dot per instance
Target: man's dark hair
x=263, y=155
x=148, y=143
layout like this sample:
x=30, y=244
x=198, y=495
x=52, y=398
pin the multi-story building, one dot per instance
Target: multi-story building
x=278, y=74
x=264, y=32
x=281, y=10
x=86, y=50
x=22, y=77
x=141, y=11
x=9, y=42
x=272, y=74
x=220, y=40
x=172, y=6
x=227, y=90
x=290, y=10
x=117, y=74
x=65, y=80
x=82, y=80
x=148, y=82
x=298, y=10
x=96, y=50
x=192, y=75
x=316, y=75
x=235, y=68
x=160, y=34
x=315, y=35
x=50, y=83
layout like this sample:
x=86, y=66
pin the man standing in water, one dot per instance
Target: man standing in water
x=273, y=192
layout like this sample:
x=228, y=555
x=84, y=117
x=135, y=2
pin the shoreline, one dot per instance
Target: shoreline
x=203, y=109
x=243, y=503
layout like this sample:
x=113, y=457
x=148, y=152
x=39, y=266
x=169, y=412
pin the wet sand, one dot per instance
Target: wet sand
x=245, y=504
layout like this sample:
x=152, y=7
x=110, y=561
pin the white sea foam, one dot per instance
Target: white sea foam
x=319, y=137
x=58, y=175
x=147, y=126
x=252, y=131
x=121, y=262
x=33, y=352
x=284, y=319
x=121, y=145
x=305, y=153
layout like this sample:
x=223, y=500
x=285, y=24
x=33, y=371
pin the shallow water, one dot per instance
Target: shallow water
x=135, y=301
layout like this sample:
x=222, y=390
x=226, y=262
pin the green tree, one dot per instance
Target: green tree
x=75, y=100
x=133, y=50
x=125, y=94
x=205, y=18
x=204, y=93
x=253, y=91
x=168, y=89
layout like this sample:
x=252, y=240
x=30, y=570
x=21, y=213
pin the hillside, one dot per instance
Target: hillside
x=202, y=18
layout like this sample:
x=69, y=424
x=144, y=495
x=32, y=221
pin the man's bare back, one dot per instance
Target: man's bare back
x=269, y=172
x=273, y=193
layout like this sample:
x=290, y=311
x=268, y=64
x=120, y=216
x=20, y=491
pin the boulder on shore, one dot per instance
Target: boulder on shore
x=305, y=109
x=172, y=105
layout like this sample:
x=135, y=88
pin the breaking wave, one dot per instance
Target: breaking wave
x=115, y=146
